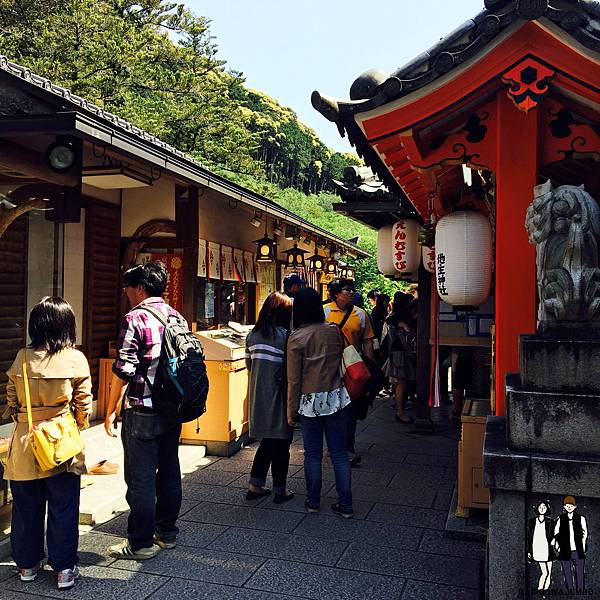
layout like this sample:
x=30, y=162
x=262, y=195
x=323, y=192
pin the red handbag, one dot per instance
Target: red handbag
x=355, y=373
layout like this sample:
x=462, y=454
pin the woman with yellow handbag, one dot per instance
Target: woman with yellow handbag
x=49, y=398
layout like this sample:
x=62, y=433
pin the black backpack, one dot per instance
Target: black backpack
x=181, y=384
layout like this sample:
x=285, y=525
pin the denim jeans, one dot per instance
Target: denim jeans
x=61, y=494
x=335, y=427
x=153, y=479
x=274, y=453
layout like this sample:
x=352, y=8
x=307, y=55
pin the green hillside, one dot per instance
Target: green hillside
x=154, y=63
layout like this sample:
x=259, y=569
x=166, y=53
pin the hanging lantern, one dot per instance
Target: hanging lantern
x=405, y=249
x=317, y=262
x=429, y=258
x=331, y=266
x=463, y=255
x=265, y=249
x=385, y=262
x=295, y=257
x=350, y=272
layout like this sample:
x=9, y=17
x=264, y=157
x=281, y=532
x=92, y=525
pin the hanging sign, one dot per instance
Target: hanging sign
x=174, y=293
x=202, y=269
x=249, y=272
x=385, y=262
x=227, y=266
x=238, y=263
x=214, y=260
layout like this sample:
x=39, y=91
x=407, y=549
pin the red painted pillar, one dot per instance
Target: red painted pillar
x=516, y=176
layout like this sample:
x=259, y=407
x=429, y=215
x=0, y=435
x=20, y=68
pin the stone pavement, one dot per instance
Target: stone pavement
x=232, y=549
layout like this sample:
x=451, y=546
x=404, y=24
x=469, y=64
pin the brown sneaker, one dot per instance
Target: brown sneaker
x=164, y=544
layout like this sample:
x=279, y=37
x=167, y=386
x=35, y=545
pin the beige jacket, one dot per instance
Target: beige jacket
x=314, y=354
x=57, y=383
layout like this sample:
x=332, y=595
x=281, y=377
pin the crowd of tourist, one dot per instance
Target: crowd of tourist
x=294, y=359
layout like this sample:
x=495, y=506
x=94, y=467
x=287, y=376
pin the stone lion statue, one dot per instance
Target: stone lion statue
x=564, y=224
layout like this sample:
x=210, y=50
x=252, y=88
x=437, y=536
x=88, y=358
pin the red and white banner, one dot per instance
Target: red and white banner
x=202, y=259
x=238, y=263
x=214, y=260
x=227, y=266
x=174, y=293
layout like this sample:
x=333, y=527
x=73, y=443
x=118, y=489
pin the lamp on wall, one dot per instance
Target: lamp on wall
x=61, y=154
x=277, y=229
x=256, y=220
x=289, y=232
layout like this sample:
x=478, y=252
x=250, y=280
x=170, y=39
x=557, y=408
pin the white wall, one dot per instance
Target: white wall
x=144, y=204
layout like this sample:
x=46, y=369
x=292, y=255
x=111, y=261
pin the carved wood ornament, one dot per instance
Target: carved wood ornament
x=528, y=83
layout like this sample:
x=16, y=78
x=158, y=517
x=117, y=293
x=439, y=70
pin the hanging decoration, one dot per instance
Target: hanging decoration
x=331, y=267
x=463, y=254
x=202, y=258
x=429, y=258
x=266, y=247
x=249, y=271
x=214, y=260
x=406, y=254
x=316, y=261
x=350, y=272
x=385, y=262
x=227, y=266
x=295, y=257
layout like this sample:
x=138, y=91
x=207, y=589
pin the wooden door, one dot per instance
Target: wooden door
x=102, y=284
x=13, y=291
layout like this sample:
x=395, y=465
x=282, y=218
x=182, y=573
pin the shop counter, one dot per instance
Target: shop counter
x=224, y=426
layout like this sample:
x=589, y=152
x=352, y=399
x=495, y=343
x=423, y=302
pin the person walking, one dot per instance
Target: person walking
x=357, y=330
x=59, y=380
x=267, y=393
x=400, y=347
x=317, y=396
x=150, y=441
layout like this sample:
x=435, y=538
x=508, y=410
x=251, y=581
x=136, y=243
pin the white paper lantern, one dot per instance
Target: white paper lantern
x=406, y=251
x=385, y=258
x=463, y=254
x=429, y=259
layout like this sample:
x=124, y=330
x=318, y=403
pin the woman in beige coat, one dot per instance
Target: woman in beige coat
x=59, y=380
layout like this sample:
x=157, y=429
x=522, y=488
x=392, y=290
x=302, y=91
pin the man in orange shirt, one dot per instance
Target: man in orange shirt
x=357, y=331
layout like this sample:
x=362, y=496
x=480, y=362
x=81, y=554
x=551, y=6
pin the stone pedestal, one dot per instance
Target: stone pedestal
x=546, y=448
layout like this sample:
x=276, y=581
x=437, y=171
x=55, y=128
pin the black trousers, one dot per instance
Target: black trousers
x=153, y=478
x=274, y=453
x=60, y=493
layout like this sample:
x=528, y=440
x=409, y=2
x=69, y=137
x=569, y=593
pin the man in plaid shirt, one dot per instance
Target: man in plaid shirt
x=150, y=445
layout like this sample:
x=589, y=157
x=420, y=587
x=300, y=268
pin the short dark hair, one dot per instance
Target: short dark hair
x=276, y=311
x=335, y=287
x=52, y=325
x=307, y=308
x=152, y=275
x=373, y=294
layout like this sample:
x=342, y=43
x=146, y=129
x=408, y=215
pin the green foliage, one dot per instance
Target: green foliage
x=154, y=63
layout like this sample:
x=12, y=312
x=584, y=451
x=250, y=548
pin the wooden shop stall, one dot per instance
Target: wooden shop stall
x=84, y=195
x=459, y=137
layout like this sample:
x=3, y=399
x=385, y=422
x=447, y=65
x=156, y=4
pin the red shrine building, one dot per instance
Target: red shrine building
x=507, y=101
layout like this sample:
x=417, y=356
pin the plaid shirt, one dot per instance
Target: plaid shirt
x=140, y=341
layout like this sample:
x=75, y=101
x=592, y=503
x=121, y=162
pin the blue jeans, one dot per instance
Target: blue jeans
x=335, y=427
x=61, y=494
x=153, y=478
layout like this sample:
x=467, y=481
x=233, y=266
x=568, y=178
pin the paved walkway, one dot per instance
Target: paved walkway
x=231, y=549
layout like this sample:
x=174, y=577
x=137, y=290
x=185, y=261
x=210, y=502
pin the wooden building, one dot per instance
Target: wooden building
x=513, y=96
x=85, y=194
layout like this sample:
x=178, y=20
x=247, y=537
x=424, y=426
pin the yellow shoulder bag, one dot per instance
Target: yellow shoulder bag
x=55, y=441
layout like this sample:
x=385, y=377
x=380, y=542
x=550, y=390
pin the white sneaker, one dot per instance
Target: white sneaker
x=66, y=578
x=30, y=574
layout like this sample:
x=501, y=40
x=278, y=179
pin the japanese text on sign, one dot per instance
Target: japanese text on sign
x=441, y=275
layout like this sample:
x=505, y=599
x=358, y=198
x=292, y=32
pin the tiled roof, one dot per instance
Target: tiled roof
x=72, y=102
x=578, y=18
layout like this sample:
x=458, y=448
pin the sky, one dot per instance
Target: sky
x=288, y=48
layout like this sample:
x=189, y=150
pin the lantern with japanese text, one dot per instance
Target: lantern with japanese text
x=429, y=258
x=385, y=262
x=405, y=249
x=463, y=254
